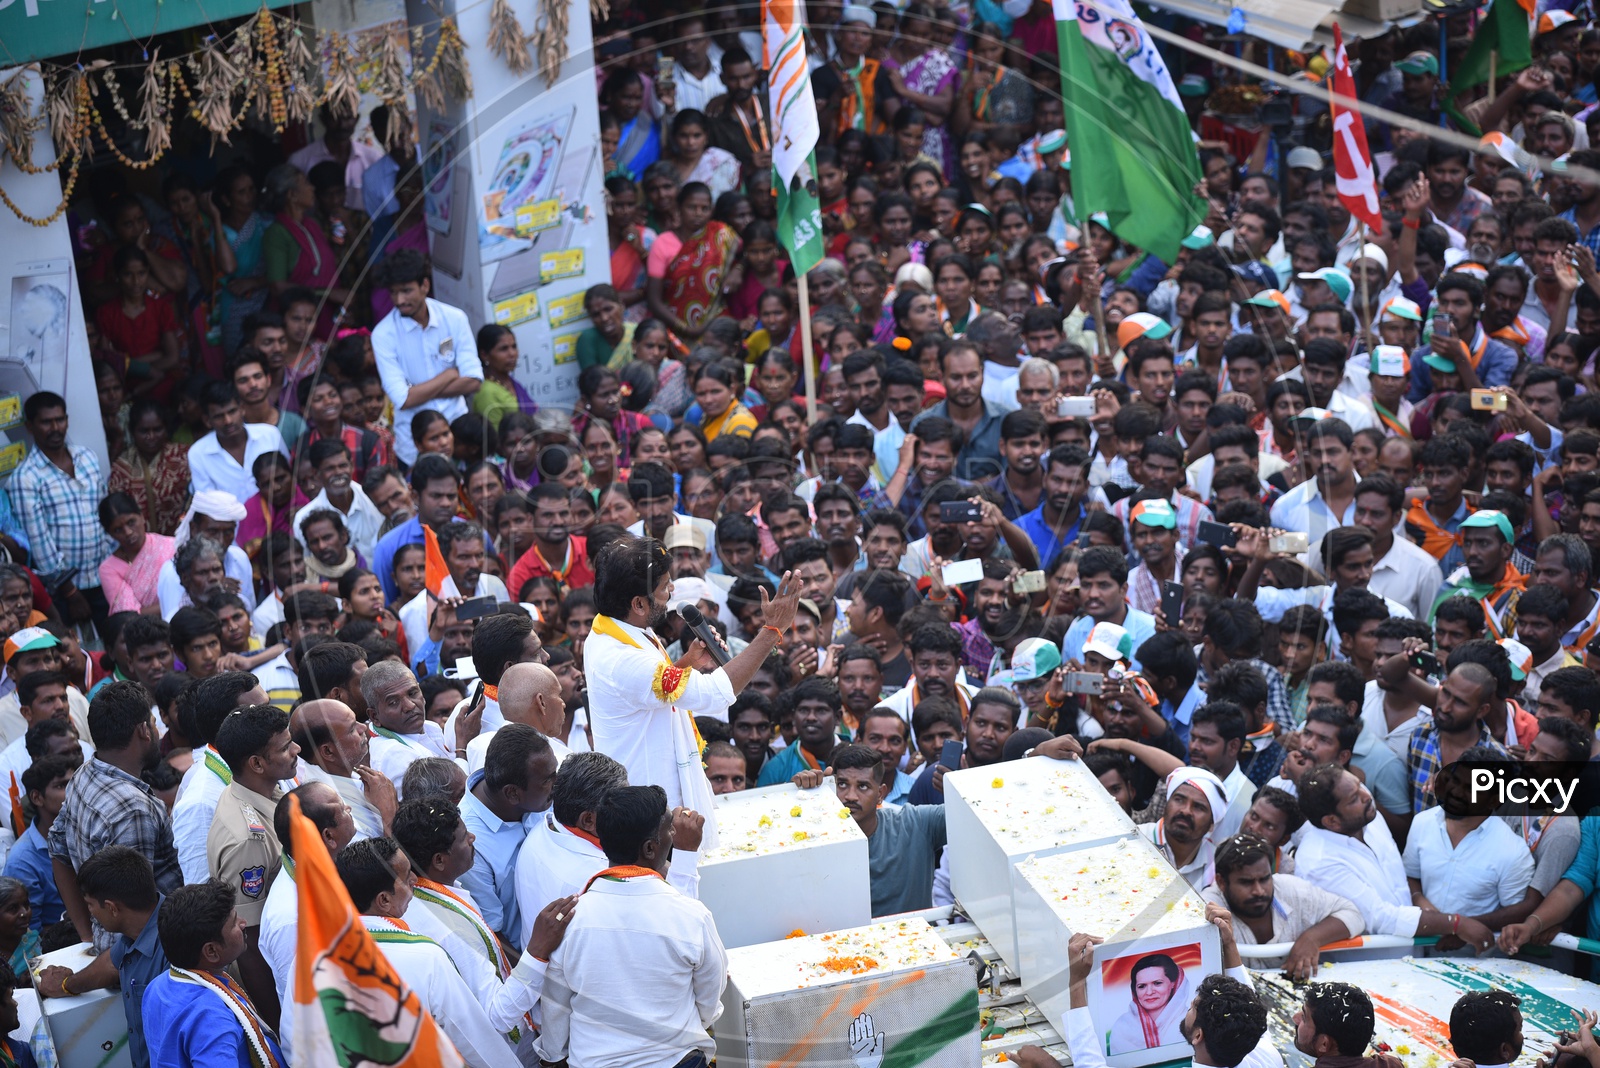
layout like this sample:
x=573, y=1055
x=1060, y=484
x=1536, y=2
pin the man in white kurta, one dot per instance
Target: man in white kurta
x=558, y=861
x=403, y=733
x=641, y=704
x=641, y=709
x=639, y=976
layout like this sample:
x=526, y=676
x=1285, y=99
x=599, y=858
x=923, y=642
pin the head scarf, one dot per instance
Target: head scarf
x=213, y=504
x=1211, y=786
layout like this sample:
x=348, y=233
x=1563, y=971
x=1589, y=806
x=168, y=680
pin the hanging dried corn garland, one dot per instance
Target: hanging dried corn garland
x=506, y=38
x=341, y=88
x=550, y=39
x=270, y=61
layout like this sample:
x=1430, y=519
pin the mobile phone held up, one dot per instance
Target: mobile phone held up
x=1219, y=534
x=476, y=607
x=960, y=512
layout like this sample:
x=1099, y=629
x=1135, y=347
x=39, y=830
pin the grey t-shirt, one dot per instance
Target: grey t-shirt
x=901, y=856
x=1558, y=845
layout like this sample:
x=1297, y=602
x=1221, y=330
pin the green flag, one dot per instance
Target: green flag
x=800, y=218
x=1133, y=156
x=1504, y=35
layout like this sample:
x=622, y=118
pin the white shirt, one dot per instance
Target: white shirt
x=903, y=700
x=1368, y=871
x=695, y=92
x=1241, y=792
x=1197, y=873
x=492, y=721
x=362, y=156
x=651, y=732
x=1408, y=575
x=1200, y=473
x=1376, y=722
x=1489, y=869
x=268, y=614
x=478, y=748
x=13, y=728
x=409, y=354
x=279, y=680
x=427, y=969
x=393, y=753
x=414, y=613
x=212, y=468
x=1000, y=384
x=1297, y=906
x=553, y=862
x=363, y=520
x=636, y=950
x=191, y=816
x=505, y=1001
x=1303, y=509
x=235, y=565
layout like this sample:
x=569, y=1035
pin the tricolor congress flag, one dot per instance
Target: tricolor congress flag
x=1133, y=156
x=350, y=1005
x=794, y=131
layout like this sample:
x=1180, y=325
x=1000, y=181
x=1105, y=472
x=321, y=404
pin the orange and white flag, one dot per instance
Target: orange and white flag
x=350, y=1005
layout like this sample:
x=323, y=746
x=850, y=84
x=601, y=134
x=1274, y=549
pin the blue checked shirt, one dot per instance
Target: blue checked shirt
x=61, y=514
x=1422, y=760
x=1587, y=237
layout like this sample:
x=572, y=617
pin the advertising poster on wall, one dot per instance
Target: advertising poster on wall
x=531, y=218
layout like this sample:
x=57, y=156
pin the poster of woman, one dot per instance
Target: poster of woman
x=1154, y=990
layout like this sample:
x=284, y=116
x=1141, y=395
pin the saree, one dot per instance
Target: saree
x=930, y=73
x=246, y=244
x=1138, y=1029
x=317, y=265
x=130, y=585
x=494, y=401
x=160, y=487
x=692, y=286
x=638, y=146
x=718, y=169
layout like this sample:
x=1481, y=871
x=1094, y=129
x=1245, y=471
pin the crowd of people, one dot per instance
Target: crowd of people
x=1058, y=497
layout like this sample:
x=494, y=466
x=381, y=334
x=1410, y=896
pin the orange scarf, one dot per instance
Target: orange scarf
x=585, y=835
x=623, y=872
x=491, y=692
x=916, y=699
x=1433, y=538
x=1515, y=334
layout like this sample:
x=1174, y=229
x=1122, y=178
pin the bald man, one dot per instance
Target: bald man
x=338, y=747
x=531, y=694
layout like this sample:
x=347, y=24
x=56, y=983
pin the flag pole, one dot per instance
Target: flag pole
x=1493, y=55
x=1366, y=297
x=809, y=368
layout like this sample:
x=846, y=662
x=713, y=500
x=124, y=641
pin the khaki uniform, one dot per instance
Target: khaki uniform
x=243, y=850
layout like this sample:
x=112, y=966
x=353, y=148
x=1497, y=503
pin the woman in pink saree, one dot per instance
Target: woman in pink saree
x=128, y=575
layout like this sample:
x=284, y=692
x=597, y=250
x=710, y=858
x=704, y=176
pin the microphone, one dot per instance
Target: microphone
x=701, y=629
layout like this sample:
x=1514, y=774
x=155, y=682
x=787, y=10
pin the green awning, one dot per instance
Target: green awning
x=61, y=29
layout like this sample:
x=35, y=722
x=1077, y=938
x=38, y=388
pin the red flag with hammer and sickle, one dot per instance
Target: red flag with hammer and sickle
x=1352, y=163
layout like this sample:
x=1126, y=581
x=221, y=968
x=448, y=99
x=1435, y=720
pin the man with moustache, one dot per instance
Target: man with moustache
x=554, y=552
x=1196, y=803
x=1057, y=519
x=1271, y=909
